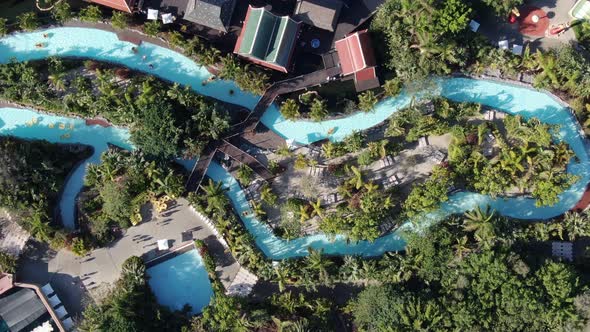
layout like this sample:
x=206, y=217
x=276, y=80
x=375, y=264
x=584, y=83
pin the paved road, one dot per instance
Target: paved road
x=78, y=280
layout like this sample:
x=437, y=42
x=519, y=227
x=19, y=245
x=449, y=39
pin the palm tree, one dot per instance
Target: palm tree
x=317, y=263
x=39, y=228
x=329, y=149
x=281, y=325
x=303, y=213
x=317, y=209
x=281, y=277
x=461, y=248
x=215, y=194
x=257, y=209
x=481, y=223
x=267, y=195
x=357, y=178
x=548, y=66
x=576, y=225
x=57, y=79
x=371, y=187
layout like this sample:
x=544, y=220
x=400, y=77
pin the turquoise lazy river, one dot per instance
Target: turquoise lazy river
x=175, y=67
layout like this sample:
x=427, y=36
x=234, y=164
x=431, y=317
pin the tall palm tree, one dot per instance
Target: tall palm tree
x=281, y=277
x=257, y=209
x=304, y=213
x=319, y=264
x=357, y=178
x=371, y=187
x=215, y=194
x=38, y=227
x=267, y=195
x=576, y=225
x=317, y=209
x=548, y=67
x=481, y=223
x=57, y=79
x=461, y=247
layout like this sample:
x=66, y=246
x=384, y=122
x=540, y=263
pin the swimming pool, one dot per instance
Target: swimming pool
x=181, y=280
x=175, y=67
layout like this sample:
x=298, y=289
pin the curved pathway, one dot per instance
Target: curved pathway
x=175, y=67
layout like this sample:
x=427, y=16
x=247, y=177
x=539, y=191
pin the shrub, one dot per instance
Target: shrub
x=392, y=87
x=62, y=12
x=28, y=21
x=365, y=158
x=152, y=28
x=90, y=14
x=318, y=110
x=290, y=109
x=367, y=101
x=245, y=175
x=300, y=162
x=3, y=27
x=176, y=39
x=79, y=247
x=119, y=20
x=7, y=263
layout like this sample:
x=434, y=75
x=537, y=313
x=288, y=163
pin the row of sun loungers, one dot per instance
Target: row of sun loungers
x=57, y=306
x=387, y=161
x=317, y=171
x=391, y=181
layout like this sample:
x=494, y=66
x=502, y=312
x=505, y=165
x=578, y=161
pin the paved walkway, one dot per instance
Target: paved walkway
x=78, y=280
x=497, y=29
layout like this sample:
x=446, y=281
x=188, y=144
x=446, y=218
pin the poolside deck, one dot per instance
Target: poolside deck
x=80, y=280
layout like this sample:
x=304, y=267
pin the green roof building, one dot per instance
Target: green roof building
x=267, y=39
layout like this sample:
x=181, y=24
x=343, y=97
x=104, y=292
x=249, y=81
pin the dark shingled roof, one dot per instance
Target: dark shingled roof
x=321, y=14
x=22, y=310
x=215, y=14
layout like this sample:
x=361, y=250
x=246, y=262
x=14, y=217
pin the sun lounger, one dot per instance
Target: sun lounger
x=68, y=324
x=503, y=44
x=163, y=244
x=422, y=142
x=152, y=14
x=61, y=312
x=54, y=301
x=47, y=290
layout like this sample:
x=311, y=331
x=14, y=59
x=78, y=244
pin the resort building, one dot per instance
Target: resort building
x=122, y=5
x=322, y=14
x=267, y=39
x=214, y=14
x=357, y=58
x=24, y=307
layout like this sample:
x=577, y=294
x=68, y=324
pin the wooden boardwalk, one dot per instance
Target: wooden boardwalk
x=253, y=131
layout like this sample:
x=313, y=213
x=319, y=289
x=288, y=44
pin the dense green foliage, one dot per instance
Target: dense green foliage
x=119, y=186
x=422, y=37
x=528, y=162
x=458, y=277
x=166, y=120
x=32, y=173
x=131, y=306
x=7, y=263
x=428, y=195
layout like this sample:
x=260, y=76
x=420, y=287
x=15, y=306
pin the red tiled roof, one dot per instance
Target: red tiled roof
x=123, y=5
x=584, y=201
x=355, y=52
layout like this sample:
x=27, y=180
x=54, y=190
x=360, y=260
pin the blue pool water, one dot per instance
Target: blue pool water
x=19, y=123
x=181, y=280
x=175, y=67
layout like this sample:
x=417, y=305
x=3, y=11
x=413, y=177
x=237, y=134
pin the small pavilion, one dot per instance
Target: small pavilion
x=267, y=39
x=357, y=58
x=214, y=14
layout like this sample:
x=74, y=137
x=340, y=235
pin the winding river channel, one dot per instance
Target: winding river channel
x=170, y=65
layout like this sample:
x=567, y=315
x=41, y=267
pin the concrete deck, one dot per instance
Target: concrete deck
x=557, y=12
x=78, y=280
